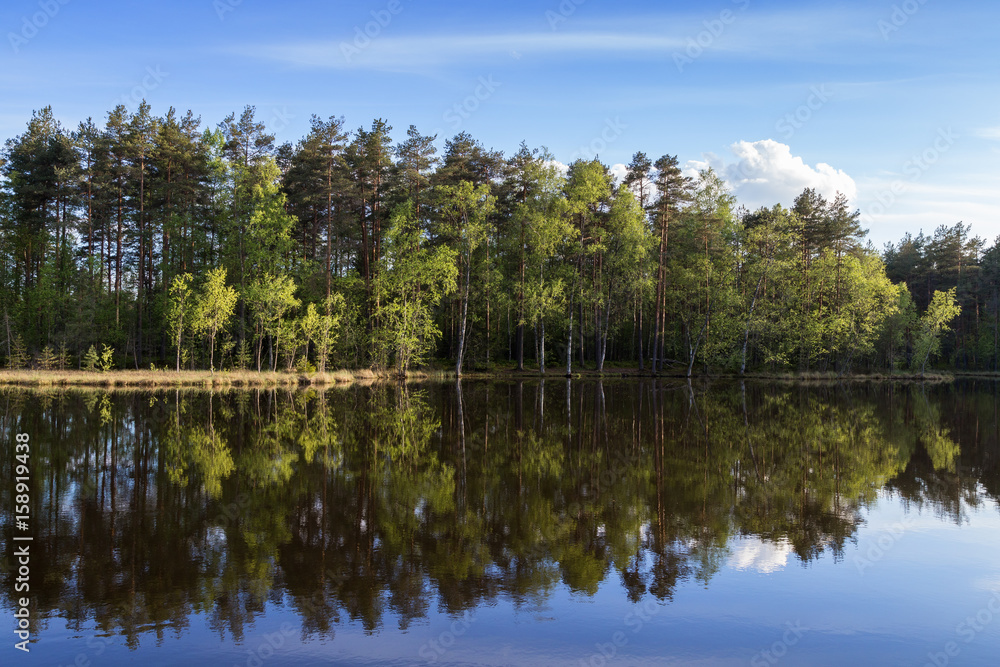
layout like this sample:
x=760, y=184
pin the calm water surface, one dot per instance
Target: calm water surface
x=555, y=523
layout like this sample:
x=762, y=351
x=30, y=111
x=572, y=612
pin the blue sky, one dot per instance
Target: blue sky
x=894, y=103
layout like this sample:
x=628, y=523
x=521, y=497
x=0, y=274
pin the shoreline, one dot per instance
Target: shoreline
x=342, y=377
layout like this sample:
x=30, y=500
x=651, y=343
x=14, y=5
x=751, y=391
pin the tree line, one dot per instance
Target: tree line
x=150, y=240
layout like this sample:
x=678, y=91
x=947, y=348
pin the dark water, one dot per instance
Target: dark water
x=623, y=523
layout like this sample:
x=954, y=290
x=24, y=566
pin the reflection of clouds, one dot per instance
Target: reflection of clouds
x=752, y=553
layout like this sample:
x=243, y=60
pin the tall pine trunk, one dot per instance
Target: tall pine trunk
x=465, y=311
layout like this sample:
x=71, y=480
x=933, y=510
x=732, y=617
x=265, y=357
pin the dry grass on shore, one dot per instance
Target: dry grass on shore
x=365, y=376
x=170, y=378
x=817, y=376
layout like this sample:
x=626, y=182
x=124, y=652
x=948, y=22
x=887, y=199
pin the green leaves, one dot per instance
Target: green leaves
x=215, y=306
x=411, y=281
x=269, y=298
x=180, y=311
x=107, y=360
x=941, y=311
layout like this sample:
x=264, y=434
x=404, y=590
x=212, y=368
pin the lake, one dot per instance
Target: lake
x=625, y=522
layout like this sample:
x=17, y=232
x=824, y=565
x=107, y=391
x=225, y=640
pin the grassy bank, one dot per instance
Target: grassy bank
x=150, y=378
x=164, y=378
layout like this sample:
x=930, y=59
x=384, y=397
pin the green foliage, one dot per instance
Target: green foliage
x=253, y=250
x=181, y=311
x=318, y=330
x=215, y=306
x=411, y=281
x=91, y=360
x=63, y=356
x=484, y=489
x=898, y=328
x=18, y=357
x=465, y=209
x=269, y=298
x=47, y=359
x=107, y=359
x=702, y=286
x=288, y=342
x=243, y=355
x=934, y=322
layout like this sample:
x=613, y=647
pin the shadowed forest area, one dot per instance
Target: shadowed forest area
x=146, y=240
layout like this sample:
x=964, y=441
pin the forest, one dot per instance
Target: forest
x=146, y=241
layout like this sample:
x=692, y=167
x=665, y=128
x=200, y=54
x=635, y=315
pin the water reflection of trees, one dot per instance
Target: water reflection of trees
x=379, y=502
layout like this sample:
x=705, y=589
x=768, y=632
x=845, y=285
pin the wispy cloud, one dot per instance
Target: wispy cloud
x=430, y=50
x=811, y=34
x=989, y=133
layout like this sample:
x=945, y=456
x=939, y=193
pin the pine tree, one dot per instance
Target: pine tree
x=673, y=191
x=314, y=183
x=247, y=147
x=119, y=180
x=18, y=357
x=369, y=163
x=142, y=132
x=91, y=360
x=47, y=359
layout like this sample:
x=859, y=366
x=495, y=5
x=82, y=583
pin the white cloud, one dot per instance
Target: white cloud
x=618, y=172
x=766, y=173
x=561, y=167
x=989, y=133
x=753, y=553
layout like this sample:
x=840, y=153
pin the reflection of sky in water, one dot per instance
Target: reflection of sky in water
x=752, y=553
x=894, y=609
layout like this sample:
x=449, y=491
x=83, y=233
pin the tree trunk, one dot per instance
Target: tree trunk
x=520, y=305
x=746, y=333
x=693, y=348
x=602, y=334
x=569, y=342
x=465, y=312
x=211, y=352
x=639, y=335
x=541, y=358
